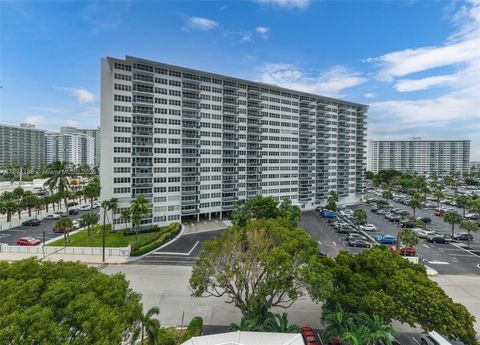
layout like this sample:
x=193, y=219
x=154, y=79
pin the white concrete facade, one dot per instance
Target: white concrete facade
x=70, y=146
x=194, y=142
x=22, y=145
x=426, y=157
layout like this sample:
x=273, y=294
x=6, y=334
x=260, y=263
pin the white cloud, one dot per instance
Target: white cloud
x=369, y=95
x=301, y=4
x=37, y=120
x=263, y=32
x=82, y=96
x=409, y=85
x=329, y=83
x=71, y=123
x=199, y=23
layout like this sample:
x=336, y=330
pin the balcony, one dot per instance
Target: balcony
x=189, y=211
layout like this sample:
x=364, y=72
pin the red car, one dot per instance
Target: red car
x=404, y=251
x=439, y=213
x=28, y=241
x=309, y=336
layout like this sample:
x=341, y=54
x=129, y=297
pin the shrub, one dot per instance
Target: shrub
x=195, y=327
x=165, y=234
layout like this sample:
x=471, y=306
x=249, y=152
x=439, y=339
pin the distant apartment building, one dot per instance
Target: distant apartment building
x=71, y=146
x=194, y=143
x=22, y=145
x=426, y=157
x=475, y=165
x=94, y=133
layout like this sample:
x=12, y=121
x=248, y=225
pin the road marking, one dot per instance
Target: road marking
x=178, y=253
x=434, y=262
x=416, y=340
x=334, y=243
x=466, y=255
x=320, y=243
x=454, y=259
x=425, y=245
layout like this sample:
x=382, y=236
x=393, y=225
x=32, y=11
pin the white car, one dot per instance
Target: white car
x=53, y=216
x=76, y=225
x=433, y=338
x=84, y=208
x=368, y=227
x=96, y=204
x=422, y=233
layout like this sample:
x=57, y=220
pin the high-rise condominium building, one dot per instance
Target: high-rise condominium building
x=475, y=166
x=194, y=142
x=426, y=157
x=71, y=146
x=95, y=133
x=21, y=145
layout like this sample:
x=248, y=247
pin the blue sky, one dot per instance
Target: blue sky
x=416, y=63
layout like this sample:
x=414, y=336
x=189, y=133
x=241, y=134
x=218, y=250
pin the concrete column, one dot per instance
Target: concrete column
x=198, y=217
x=220, y=215
x=210, y=216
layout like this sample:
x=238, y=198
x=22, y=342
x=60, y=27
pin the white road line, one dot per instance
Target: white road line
x=434, y=262
x=178, y=253
x=454, y=259
x=416, y=340
x=334, y=243
x=425, y=245
x=320, y=243
x=466, y=255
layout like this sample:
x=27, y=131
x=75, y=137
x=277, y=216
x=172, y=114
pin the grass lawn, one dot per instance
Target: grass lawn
x=112, y=239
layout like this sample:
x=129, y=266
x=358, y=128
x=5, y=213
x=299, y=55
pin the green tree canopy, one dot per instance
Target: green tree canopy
x=377, y=281
x=264, y=264
x=452, y=218
x=360, y=214
x=64, y=303
x=262, y=207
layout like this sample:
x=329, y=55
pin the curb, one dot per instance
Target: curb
x=431, y=271
x=135, y=258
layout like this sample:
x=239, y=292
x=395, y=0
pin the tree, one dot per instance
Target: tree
x=407, y=237
x=414, y=203
x=92, y=192
x=267, y=263
x=470, y=227
x=29, y=202
x=452, y=217
x=332, y=201
x=247, y=324
x=377, y=281
x=88, y=220
x=421, y=185
x=289, y=211
x=8, y=207
x=259, y=207
x=369, y=175
x=113, y=208
x=64, y=303
x=438, y=194
x=279, y=323
x=335, y=322
x=64, y=225
x=365, y=330
x=126, y=217
x=106, y=205
x=19, y=191
x=58, y=175
x=474, y=206
x=462, y=201
x=149, y=325
x=138, y=209
x=360, y=215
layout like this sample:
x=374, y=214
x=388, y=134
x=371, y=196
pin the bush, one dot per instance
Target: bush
x=195, y=327
x=166, y=234
x=167, y=336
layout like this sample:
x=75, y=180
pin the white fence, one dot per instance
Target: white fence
x=66, y=250
x=4, y=225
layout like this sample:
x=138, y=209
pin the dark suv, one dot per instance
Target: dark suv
x=407, y=224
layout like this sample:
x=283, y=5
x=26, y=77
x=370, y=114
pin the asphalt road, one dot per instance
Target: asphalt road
x=12, y=235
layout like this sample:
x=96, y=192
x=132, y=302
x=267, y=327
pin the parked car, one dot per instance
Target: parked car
x=72, y=203
x=433, y=338
x=424, y=233
x=61, y=213
x=76, y=225
x=408, y=224
x=368, y=227
x=31, y=222
x=471, y=216
x=426, y=220
x=96, y=204
x=359, y=243
x=408, y=251
x=28, y=241
x=386, y=239
x=328, y=214
x=393, y=340
x=374, y=209
x=85, y=208
x=346, y=230
x=439, y=213
x=73, y=212
x=463, y=236
x=52, y=216
x=355, y=236
x=437, y=239
x=309, y=336
x=381, y=211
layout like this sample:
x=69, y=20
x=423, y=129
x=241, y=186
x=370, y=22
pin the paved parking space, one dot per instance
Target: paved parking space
x=10, y=236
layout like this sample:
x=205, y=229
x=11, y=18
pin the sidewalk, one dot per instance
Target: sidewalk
x=87, y=259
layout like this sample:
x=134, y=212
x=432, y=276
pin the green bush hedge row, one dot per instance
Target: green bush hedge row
x=165, y=235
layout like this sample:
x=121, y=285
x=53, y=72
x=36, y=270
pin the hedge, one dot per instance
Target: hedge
x=167, y=233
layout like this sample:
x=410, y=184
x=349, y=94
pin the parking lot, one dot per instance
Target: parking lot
x=46, y=227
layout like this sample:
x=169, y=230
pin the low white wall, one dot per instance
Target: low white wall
x=125, y=251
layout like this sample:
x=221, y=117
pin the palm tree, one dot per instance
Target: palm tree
x=88, y=220
x=8, y=207
x=414, y=204
x=29, y=202
x=59, y=172
x=474, y=206
x=463, y=201
x=470, y=227
x=92, y=191
x=332, y=201
x=106, y=205
x=126, y=216
x=438, y=194
x=247, y=323
x=113, y=208
x=366, y=330
x=138, y=209
x=360, y=215
x=148, y=328
x=64, y=225
x=453, y=217
x=335, y=322
x=279, y=323
x=407, y=237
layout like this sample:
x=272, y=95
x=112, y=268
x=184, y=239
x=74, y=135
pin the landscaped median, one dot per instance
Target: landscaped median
x=147, y=239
